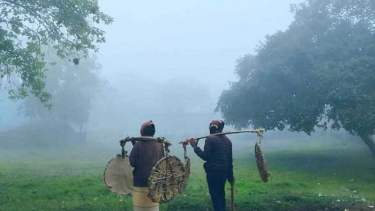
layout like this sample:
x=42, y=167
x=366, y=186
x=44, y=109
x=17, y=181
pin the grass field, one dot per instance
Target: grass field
x=311, y=177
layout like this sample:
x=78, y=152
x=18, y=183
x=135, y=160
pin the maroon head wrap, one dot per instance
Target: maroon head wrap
x=218, y=124
x=148, y=128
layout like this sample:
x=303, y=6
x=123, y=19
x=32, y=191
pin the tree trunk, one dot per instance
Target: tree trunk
x=81, y=129
x=369, y=142
x=84, y=133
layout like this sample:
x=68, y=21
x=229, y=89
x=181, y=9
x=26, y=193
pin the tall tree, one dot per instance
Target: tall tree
x=320, y=72
x=73, y=89
x=69, y=27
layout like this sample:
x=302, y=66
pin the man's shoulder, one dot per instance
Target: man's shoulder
x=226, y=137
x=223, y=137
x=148, y=143
x=226, y=140
x=218, y=138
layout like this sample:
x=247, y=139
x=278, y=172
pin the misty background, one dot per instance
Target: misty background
x=167, y=61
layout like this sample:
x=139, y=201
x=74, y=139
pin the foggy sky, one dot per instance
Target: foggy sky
x=159, y=40
x=154, y=42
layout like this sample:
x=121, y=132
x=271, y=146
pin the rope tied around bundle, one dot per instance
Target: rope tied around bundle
x=123, y=151
x=187, y=167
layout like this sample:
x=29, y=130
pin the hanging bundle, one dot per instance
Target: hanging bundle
x=187, y=168
x=166, y=180
x=260, y=161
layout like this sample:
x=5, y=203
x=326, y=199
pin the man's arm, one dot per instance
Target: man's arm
x=206, y=154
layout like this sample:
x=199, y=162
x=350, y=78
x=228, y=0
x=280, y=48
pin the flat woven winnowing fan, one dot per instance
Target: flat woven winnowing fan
x=118, y=175
x=167, y=179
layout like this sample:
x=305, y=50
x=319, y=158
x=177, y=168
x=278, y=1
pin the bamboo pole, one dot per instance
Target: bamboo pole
x=258, y=132
x=146, y=138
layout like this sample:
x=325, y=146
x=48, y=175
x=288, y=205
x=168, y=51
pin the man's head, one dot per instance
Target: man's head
x=216, y=126
x=148, y=128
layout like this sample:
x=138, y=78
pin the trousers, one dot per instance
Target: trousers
x=216, y=186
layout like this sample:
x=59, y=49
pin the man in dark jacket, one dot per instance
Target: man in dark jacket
x=143, y=157
x=219, y=163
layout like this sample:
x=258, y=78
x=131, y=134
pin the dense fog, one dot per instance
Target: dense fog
x=163, y=61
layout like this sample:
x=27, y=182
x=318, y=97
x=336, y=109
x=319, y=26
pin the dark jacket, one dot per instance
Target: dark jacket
x=143, y=157
x=217, y=154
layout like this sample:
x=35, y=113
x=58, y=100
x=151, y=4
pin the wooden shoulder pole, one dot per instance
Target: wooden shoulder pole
x=146, y=138
x=258, y=132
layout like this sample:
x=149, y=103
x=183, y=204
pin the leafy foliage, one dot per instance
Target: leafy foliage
x=69, y=27
x=319, y=72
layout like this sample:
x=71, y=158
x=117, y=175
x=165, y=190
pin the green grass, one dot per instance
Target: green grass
x=71, y=180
